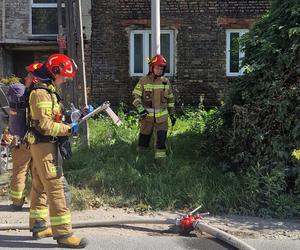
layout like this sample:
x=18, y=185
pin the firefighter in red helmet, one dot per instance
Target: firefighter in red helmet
x=14, y=135
x=46, y=128
x=30, y=78
x=154, y=101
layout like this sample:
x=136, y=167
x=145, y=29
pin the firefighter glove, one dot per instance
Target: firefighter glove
x=173, y=119
x=74, y=128
x=88, y=109
x=143, y=114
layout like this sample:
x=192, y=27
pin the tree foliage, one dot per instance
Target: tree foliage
x=262, y=109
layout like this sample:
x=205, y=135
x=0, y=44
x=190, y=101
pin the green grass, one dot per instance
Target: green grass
x=113, y=169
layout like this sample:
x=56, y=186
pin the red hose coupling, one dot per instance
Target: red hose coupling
x=187, y=221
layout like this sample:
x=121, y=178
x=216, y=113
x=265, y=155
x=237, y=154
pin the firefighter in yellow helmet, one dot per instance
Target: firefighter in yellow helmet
x=21, y=157
x=154, y=101
x=46, y=132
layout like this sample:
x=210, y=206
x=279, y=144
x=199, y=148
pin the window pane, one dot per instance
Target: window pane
x=165, y=49
x=44, y=20
x=138, y=53
x=234, y=53
x=44, y=1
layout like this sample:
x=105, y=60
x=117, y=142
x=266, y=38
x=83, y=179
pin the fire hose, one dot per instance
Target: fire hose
x=187, y=223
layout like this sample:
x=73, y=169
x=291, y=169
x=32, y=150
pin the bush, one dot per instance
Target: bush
x=11, y=79
x=261, y=113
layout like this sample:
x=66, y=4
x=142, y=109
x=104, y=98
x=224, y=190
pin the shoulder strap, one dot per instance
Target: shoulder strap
x=35, y=87
x=42, y=86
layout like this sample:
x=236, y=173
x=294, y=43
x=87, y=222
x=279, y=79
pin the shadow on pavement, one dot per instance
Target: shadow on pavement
x=151, y=231
x=207, y=243
x=13, y=241
x=7, y=208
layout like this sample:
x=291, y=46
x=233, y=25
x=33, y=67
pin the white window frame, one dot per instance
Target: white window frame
x=241, y=53
x=146, y=55
x=41, y=5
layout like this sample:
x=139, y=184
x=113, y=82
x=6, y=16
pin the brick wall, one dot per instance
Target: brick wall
x=200, y=44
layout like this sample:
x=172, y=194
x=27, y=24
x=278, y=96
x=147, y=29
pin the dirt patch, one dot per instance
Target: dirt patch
x=254, y=227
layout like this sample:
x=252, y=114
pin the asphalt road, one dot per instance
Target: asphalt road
x=275, y=244
x=98, y=240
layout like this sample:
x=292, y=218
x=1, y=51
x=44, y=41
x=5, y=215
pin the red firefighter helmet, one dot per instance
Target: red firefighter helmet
x=32, y=67
x=158, y=60
x=61, y=65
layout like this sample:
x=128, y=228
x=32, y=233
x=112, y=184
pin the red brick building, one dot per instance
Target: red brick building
x=199, y=39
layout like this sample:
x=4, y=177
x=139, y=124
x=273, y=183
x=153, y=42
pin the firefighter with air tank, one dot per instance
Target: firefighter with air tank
x=48, y=147
x=14, y=136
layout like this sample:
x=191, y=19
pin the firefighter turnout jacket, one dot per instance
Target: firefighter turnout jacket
x=45, y=113
x=156, y=97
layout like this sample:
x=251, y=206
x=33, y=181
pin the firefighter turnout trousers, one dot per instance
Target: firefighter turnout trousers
x=147, y=127
x=49, y=184
x=21, y=160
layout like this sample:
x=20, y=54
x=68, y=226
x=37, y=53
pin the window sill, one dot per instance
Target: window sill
x=138, y=77
x=43, y=37
x=234, y=76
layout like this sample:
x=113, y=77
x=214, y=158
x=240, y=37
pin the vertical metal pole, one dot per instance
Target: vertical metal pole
x=60, y=26
x=73, y=46
x=85, y=134
x=82, y=57
x=155, y=26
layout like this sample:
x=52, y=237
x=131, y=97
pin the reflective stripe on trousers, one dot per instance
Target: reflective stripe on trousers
x=157, y=112
x=38, y=213
x=16, y=194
